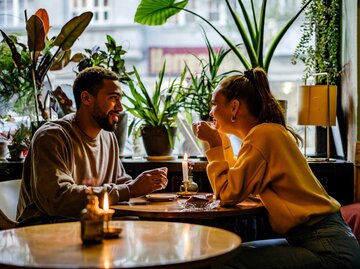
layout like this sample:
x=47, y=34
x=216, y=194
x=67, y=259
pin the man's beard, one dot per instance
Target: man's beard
x=103, y=120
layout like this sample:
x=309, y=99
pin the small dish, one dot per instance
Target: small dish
x=161, y=197
x=161, y=158
x=184, y=194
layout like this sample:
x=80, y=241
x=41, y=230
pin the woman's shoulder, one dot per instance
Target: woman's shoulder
x=269, y=128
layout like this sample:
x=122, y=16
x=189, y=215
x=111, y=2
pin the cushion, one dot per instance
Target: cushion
x=351, y=214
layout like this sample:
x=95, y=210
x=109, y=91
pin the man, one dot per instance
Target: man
x=79, y=148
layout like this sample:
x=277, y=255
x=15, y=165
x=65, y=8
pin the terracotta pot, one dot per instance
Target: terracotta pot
x=156, y=140
x=121, y=132
x=16, y=152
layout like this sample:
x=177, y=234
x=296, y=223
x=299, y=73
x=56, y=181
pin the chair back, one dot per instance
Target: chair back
x=9, y=195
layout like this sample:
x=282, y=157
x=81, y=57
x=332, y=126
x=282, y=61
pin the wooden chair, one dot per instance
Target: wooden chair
x=9, y=194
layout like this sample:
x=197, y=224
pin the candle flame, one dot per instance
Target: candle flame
x=185, y=156
x=106, y=201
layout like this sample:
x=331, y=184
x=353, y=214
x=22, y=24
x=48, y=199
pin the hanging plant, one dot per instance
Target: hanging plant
x=319, y=45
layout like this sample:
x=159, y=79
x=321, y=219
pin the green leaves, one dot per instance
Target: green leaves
x=46, y=53
x=161, y=107
x=157, y=12
x=203, y=83
x=111, y=59
x=251, y=30
x=322, y=24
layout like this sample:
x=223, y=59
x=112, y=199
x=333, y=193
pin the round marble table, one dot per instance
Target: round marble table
x=141, y=244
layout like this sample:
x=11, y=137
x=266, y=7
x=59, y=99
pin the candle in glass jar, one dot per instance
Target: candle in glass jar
x=107, y=213
x=185, y=169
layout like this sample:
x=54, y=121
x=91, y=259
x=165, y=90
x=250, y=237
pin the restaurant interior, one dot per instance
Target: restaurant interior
x=185, y=223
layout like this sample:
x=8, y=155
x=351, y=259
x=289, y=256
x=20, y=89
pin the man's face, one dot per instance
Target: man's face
x=108, y=105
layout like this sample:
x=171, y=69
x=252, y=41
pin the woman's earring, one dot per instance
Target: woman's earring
x=233, y=119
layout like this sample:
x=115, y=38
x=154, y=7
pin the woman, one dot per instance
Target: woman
x=271, y=165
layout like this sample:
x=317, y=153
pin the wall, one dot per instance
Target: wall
x=349, y=86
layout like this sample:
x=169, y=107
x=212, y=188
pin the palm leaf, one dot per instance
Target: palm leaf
x=248, y=45
x=251, y=29
x=260, y=32
x=280, y=35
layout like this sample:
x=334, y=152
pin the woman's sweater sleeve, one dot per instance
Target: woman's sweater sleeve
x=233, y=184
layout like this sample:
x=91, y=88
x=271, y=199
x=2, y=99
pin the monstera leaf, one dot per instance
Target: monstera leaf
x=157, y=12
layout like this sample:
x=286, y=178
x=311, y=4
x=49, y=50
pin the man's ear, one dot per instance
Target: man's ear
x=86, y=98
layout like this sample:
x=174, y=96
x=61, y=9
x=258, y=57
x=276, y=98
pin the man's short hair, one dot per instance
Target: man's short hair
x=91, y=80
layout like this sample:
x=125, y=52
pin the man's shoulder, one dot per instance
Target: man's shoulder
x=54, y=127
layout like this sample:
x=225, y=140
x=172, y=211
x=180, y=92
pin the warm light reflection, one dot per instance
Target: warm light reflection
x=187, y=241
x=106, y=258
x=185, y=156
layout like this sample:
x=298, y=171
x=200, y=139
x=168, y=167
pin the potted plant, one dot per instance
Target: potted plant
x=251, y=28
x=155, y=114
x=111, y=58
x=45, y=54
x=19, y=141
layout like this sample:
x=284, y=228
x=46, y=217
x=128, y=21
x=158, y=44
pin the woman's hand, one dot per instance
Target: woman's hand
x=207, y=132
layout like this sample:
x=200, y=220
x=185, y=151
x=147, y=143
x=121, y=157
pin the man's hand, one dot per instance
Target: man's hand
x=148, y=182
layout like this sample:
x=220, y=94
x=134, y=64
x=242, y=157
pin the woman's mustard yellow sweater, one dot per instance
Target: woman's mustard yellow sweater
x=271, y=165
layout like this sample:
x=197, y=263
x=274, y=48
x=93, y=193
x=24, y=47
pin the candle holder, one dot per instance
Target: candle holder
x=107, y=219
x=109, y=232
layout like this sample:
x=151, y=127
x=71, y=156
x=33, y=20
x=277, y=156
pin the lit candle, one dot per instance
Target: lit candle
x=185, y=169
x=107, y=213
x=106, y=202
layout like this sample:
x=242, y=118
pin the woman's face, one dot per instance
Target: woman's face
x=221, y=111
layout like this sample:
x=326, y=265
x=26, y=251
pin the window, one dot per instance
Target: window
x=12, y=12
x=212, y=10
x=100, y=8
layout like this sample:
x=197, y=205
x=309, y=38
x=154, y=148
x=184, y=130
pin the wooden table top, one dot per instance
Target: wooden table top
x=142, y=244
x=141, y=207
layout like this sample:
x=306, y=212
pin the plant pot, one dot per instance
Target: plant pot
x=3, y=149
x=156, y=140
x=16, y=152
x=121, y=132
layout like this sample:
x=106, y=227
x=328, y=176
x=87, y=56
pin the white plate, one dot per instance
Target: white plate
x=161, y=158
x=160, y=197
